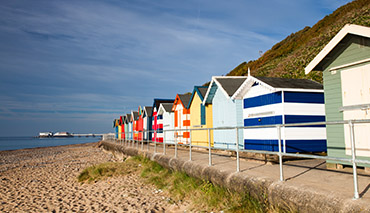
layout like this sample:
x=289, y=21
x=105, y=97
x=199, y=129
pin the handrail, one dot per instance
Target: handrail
x=162, y=134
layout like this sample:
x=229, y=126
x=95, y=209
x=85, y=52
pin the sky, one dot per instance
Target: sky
x=74, y=66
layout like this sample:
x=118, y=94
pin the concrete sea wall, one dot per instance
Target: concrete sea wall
x=278, y=194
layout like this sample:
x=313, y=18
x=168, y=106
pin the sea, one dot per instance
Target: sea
x=13, y=143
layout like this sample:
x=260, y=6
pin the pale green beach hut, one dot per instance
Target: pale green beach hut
x=345, y=63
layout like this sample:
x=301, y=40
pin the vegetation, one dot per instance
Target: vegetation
x=105, y=170
x=289, y=57
x=203, y=194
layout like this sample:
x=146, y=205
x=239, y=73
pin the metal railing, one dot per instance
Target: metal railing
x=131, y=141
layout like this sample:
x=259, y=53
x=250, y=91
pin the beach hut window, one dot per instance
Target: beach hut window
x=202, y=114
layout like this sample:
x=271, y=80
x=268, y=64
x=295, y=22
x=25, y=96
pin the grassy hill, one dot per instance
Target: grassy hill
x=289, y=57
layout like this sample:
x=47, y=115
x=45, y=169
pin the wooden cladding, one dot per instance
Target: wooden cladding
x=186, y=123
x=176, y=119
x=186, y=135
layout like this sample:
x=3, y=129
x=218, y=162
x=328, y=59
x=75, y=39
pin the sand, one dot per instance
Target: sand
x=45, y=180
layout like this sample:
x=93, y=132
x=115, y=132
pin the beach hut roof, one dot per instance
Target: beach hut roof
x=165, y=107
x=201, y=90
x=140, y=111
x=120, y=120
x=230, y=85
x=227, y=84
x=148, y=110
x=128, y=118
x=135, y=115
x=278, y=84
x=184, y=100
x=290, y=83
x=318, y=63
x=158, y=101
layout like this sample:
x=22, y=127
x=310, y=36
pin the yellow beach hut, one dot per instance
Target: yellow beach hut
x=120, y=128
x=200, y=117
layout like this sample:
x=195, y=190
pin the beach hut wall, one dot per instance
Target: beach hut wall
x=123, y=133
x=115, y=126
x=200, y=117
x=345, y=63
x=129, y=127
x=165, y=122
x=271, y=101
x=182, y=118
x=155, y=127
x=227, y=112
x=140, y=124
x=120, y=127
x=147, y=122
x=135, y=126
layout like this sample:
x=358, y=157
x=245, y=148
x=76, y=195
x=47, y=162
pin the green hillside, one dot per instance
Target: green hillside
x=289, y=57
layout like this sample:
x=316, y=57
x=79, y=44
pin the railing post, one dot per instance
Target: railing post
x=155, y=141
x=280, y=154
x=147, y=140
x=190, y=157
x=209, y=148
x=137, y=139
x=176, y=146
x=353, y=150
x=142, y=140
x=237, y=151
x=164, y=142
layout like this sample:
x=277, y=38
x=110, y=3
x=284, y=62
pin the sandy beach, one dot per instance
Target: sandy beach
x=45, y=180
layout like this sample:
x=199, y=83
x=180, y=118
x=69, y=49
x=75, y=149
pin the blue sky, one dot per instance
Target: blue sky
x=76, y=65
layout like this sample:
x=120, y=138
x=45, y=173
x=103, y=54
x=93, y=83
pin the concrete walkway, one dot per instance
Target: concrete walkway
x=308, y=185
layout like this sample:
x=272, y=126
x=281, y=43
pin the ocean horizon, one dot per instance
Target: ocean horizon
x=25, y=142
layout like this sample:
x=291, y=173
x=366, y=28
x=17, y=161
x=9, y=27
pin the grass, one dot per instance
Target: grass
x=105, y=170
x=203, y=195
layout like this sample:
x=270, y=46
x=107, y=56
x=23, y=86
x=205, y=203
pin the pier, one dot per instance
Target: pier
x=86, y=135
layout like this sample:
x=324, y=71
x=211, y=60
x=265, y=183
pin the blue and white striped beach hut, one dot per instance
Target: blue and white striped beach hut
x=270, y=101
x=227, y=111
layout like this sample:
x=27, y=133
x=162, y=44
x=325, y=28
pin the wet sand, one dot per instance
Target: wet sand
x=45, y=180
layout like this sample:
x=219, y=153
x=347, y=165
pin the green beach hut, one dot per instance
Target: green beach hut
x=345, y=63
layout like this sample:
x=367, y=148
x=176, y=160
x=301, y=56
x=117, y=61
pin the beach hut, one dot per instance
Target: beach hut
x=123, y=131
x=165, y=119
x=182, y=118
x=115, y=126
x=200, y=117
x=271, y=101
x=227, y=112
x=129, y=127
x=120, y=122
x=135, y=126
x=140, y=124
x=345, y=63
x=155, y=126
x=147, y=122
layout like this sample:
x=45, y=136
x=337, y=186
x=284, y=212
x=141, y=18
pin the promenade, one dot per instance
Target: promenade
x=308, y=186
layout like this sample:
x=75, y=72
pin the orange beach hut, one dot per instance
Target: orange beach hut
x=182, y=118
